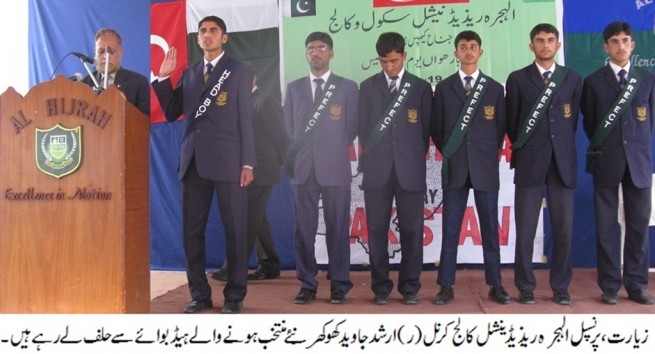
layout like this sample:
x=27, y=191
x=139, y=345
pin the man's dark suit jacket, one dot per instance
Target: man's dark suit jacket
x=222, y=139
x=271, y=141
x=327, y=149
x=407, y=142
x=629, y=142
x=555, y=133
x=132, y=84
x=478, y=153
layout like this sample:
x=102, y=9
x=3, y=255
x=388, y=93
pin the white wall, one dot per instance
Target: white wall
x=13, y=36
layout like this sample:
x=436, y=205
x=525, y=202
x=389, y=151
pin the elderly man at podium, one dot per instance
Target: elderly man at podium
x=108, y=55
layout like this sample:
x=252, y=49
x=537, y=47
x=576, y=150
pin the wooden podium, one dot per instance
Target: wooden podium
x=74, y=208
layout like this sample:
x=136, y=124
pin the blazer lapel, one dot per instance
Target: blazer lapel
x=610, y=79
x=382, y=85
x=457, y=88
x=535, y=77
x=120, y=79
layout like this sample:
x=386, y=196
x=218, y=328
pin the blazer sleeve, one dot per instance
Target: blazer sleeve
x=501, y=116
x=437, y=130
x=588, y=108
x=273, y=124
x=513, y=106
x=246, y=132
x=142, y=95
x=426, y=108
x=352, y=111
x=170, y=99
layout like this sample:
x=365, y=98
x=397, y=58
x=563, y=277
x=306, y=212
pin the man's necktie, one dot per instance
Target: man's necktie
x=318, y=90
x=622, y=79
x=110, y=80
x=392, y=85
x=467, y=85
x=208, y=71
x=546, y=76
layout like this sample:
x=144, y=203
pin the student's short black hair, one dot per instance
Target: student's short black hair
x=468, y=36
x=615, y=28
x=390, y=42
x=543, y=27
x=217, y=20
x=319, y=36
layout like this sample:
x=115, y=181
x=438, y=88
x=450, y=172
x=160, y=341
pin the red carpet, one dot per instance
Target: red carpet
x=276, y=296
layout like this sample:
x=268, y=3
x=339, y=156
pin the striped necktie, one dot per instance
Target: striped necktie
x=392, y=84
x=208, y=71
x=467, y=85
x=622, y=79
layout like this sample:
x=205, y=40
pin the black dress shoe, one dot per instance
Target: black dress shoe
x=526, y=297
x=445, y=295
x=498, y=295
x=220, y=275
x=232, y=306
x=561, y=297
x=262, y=274
x=609, y=297
x=305, y=296
x=337, y=297
x=411, y=299
x=641, y=296
x=198, y=305
x=381, y=299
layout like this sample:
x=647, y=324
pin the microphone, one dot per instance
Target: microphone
x=76, y=77
x=84, y=58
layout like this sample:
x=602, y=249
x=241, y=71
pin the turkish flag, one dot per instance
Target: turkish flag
x=167, y=29
x=392, y=3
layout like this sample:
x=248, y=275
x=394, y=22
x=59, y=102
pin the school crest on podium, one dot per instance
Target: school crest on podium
x=58, y=150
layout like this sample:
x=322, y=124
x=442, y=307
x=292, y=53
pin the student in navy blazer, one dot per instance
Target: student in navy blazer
x=547, y=159
x=394, y=168
x=321, y=168
x=217, y=156
x=271, y=143
x=133, y=85
x=622, y=158
x=474, y=165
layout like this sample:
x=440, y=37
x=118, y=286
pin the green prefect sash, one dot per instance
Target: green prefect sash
x=311, y=123
x=463, y=123
x=540, y=106
x=394, y=108
x=612, y=117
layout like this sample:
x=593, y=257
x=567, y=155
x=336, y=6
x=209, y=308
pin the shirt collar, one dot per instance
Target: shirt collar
x=400, y=76
x=215, y=61
x=324, y=76
x=617, y=68
x=475, y=75
x=543, y=70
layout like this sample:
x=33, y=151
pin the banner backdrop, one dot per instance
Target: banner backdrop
x=429, y=30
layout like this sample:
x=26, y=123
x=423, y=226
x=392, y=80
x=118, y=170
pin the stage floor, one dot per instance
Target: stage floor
x=170, y=295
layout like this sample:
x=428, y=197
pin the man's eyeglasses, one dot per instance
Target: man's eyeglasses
x=317, y=49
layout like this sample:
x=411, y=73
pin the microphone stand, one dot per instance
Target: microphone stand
x=96, y=86
x=106, y=76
